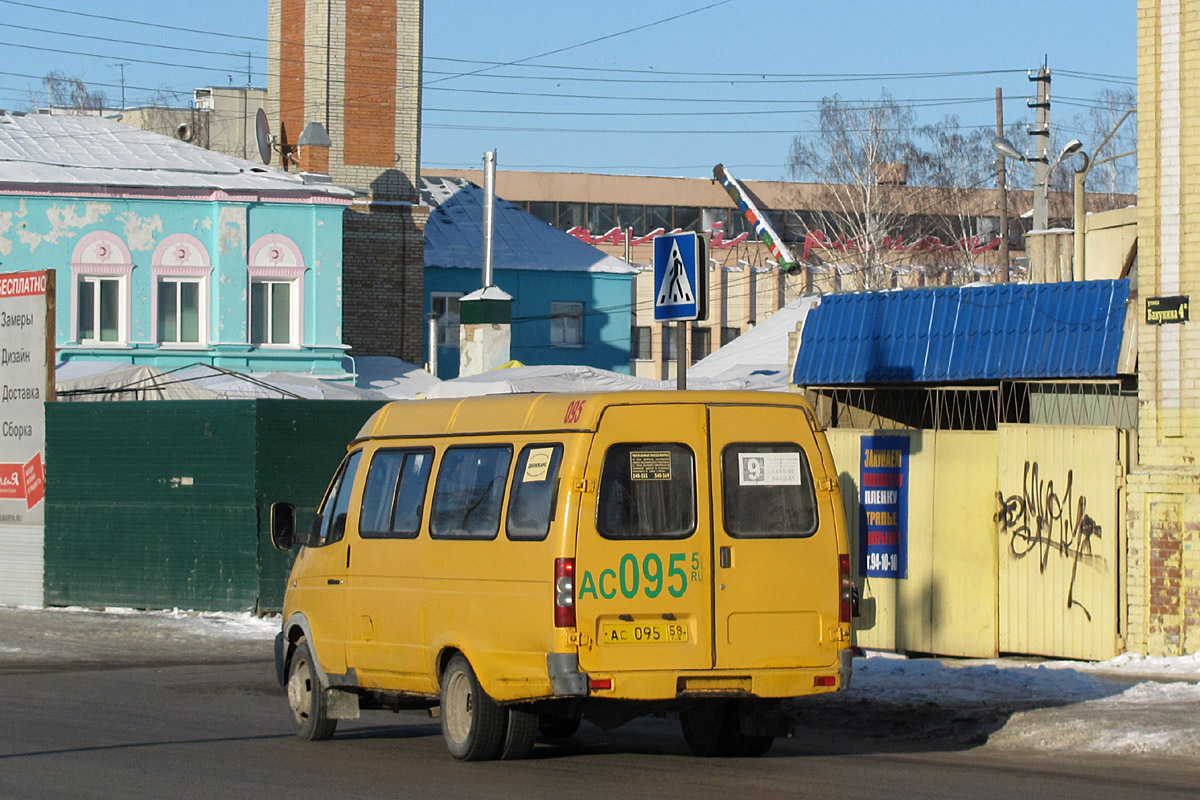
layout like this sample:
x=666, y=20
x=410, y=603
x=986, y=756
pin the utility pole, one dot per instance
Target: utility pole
x=122, y=65
x=1002, y=177
x=1041, y=149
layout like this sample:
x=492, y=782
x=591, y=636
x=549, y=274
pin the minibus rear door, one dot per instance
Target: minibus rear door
x=776, y=547
x=643, y=553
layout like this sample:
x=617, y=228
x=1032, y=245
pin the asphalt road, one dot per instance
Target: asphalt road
x=157, y=715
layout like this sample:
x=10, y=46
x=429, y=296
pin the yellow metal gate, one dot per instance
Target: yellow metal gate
x=1061, y=535
x=1013, y=542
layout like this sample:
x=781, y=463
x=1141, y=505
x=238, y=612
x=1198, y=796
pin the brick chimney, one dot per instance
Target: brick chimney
x=313, y=145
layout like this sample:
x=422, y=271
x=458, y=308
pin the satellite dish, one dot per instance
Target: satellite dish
x=262, y=133
x=184, y=132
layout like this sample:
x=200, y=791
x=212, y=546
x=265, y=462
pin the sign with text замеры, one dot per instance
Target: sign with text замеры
x=26, y=366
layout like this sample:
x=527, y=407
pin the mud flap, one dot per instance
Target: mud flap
x=341, y=705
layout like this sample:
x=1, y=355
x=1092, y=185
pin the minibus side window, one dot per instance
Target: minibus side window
x=394, y=495
x=647, y=491
x=330, y=524
x=469, y=494
x=534, y=490
x=767, y=491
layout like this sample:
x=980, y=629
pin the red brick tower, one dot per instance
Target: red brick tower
x=355, y=67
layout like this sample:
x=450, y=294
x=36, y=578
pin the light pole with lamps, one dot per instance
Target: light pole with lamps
x=1079, y=268
x=1041, y=189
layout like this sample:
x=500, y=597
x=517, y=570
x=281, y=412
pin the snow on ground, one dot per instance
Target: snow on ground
x=1132, y=704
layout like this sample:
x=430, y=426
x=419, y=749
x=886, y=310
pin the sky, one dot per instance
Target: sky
x=665, y=88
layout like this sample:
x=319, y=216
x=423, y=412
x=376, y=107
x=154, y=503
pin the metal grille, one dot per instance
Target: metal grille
x=978, y=408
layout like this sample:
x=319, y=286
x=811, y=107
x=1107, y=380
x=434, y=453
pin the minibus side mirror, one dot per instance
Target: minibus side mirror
x=283, y=526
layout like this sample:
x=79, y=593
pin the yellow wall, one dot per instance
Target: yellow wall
x=1164, y=515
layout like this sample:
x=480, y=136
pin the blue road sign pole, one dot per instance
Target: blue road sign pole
x=681, y=352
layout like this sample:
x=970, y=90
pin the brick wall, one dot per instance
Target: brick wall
x=1163, y=538
x=361, y=78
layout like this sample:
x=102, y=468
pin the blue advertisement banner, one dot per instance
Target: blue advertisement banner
x=883, y=500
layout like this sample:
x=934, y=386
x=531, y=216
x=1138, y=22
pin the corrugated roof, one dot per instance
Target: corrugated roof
x=454, y=235
x=93, y=151
x=978, y=333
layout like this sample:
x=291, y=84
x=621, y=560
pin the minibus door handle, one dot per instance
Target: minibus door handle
x=726, y=557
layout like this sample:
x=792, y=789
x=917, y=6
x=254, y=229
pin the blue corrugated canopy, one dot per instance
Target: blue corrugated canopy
x=978, y=333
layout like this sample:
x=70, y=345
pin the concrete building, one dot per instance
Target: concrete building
x=168, y=255
x=1164, y=487
x=355, y=68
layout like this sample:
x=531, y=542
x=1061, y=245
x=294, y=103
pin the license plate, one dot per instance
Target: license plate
x=643, y=633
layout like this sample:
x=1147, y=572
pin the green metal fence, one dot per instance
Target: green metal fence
x=165, y=504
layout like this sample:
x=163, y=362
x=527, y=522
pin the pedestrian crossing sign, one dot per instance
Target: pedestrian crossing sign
x=680, y=277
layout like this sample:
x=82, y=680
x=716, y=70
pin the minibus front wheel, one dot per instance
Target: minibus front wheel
x=473, y=724
x=306, y=697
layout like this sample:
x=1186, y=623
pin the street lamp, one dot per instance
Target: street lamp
x=1041, y=188
x=1079, y=269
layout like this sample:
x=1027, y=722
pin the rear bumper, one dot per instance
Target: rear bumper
x=764, y=683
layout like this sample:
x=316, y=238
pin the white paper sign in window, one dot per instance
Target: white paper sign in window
x=769, y=469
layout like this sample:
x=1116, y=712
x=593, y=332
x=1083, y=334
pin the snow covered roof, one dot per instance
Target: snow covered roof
x=759, y=358
x=454, y=235
x=93, y=151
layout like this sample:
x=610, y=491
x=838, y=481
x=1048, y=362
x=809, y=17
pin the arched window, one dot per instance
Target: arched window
x=276, y=268
x=100, y=292
x=180, y=301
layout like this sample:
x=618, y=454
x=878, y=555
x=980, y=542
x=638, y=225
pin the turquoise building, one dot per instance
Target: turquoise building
x=166, y=254
x=572, y=304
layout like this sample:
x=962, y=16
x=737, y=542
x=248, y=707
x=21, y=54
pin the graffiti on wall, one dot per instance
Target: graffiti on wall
x=1046, y=520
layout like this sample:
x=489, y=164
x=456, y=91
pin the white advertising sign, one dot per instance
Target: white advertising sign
x=24, y=371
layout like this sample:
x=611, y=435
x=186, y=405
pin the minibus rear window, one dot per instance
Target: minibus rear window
x=647, y=491
x=469, y=494
x=394, y=495
x=534, y=490
x=767, y=491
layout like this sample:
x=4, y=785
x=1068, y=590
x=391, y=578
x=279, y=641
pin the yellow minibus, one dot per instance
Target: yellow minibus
x=517, y=563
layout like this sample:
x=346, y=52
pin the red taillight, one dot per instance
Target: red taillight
x=599, y=683
x=825, y=680
x=847, y=588
x=564, y=593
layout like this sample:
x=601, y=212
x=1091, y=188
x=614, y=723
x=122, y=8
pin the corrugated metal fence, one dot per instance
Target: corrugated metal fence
x=1015, y=540
x=161, y=505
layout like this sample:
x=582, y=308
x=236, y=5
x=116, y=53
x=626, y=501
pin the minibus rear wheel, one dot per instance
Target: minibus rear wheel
x=306, y=697
x=473, y=724
x=552, y=726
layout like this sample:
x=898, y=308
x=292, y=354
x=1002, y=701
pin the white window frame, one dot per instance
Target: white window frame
x=273, y=259
x=560, y=313
x=444, y=324
x=295, y=309
x=98, y=256
x=181, y=258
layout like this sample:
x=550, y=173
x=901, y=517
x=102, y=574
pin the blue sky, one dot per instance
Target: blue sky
x=728, y=82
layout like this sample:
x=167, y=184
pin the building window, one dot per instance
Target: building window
x=444, y=307
x=544, y=210
x=100, y=309
x=272, y=313
x=658, y=217
x=640, y=342
x=571, y=215
x=276, y=272
x=629, y=216
x=670, y=349
x=729, y=334
x=687, y=218
x=100, y=295
x=566, y=324
x=701, y=343
x=601, y=218
x=178, y=311
x=181, y=272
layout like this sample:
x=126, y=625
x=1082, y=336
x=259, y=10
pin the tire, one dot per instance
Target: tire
x=554, y=727
x=473, y=725
x=520, y=731
x=754, y=746
x=711, y=730
x=306, y=697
